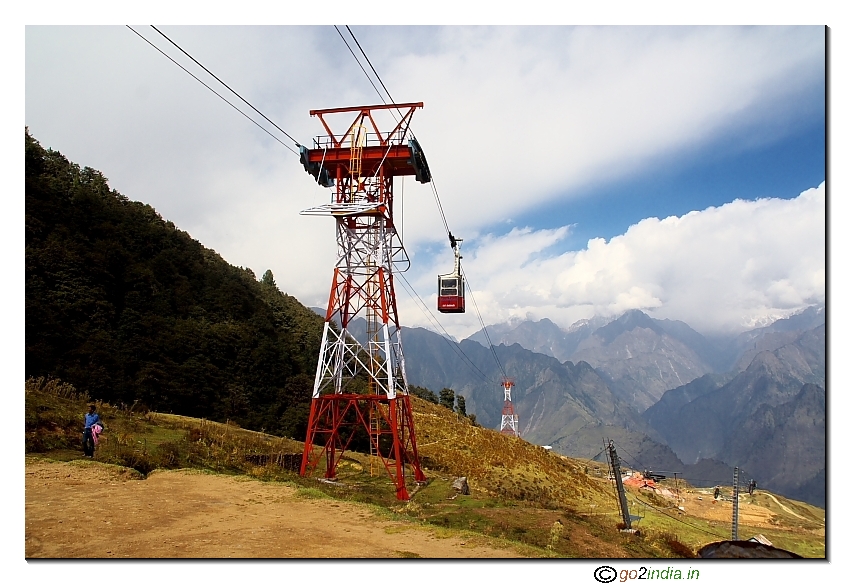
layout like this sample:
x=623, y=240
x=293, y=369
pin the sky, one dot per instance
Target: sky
x=589, y=170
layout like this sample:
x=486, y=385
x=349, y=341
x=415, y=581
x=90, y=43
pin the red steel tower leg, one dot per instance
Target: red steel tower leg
x=361, y=383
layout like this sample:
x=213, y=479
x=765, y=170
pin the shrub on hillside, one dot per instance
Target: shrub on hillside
x=53, y=414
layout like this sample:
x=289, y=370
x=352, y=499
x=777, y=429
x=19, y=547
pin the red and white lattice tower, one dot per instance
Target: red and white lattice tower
x=360, y=387
x=510, y=420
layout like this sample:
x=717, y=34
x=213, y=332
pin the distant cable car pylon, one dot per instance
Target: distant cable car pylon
x=450, y=288
x=510, y=420
x=363, y=386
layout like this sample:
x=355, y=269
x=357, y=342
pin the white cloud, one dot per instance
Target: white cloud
x=543, y=112
x=718, y=269
x=514, y=118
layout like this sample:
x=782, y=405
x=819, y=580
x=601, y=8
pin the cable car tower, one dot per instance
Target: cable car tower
x=510, y=420
x=363, y=387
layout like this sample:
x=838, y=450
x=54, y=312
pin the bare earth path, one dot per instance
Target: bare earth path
x=90, y=510
x=786, y=509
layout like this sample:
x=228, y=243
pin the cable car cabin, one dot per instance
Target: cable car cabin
x=450, y=288
x=451, y=298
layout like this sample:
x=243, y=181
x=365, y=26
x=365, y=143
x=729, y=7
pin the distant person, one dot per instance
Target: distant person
x=716, y=492
x=92, y=419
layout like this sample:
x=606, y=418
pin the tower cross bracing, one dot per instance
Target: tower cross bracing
x=360, y=387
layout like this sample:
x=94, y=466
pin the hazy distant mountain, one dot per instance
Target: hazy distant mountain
x=778, y=334
x=673, y=400
x=642, y=358
x=769, y=418
x=543, y=336
x=569, y=406
x=700, y=427
x=566, y=405
x=785, y=445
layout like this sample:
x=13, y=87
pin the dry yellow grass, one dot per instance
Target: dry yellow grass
x=501, y=465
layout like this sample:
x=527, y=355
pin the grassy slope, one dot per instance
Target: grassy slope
x=520, y=492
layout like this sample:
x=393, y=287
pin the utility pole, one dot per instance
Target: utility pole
x=621, y=492
x=735, y=504
x=676, y=479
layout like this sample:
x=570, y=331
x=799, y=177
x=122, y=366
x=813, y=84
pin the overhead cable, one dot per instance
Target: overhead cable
x=225, y=84
x=432, y=181
x=483, y=326
x=444, y=335
x=389, y=95
x=659, y=510
x=370, y=66
x=359, y=63
x=248, y=117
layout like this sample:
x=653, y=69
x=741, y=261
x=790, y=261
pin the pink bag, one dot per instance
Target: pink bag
x=95, y=431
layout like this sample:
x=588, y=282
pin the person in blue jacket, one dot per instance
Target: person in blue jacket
x=92, y=418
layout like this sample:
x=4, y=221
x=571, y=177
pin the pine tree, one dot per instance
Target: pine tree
x=268, y=279
x=461, y=405
x=447, y=399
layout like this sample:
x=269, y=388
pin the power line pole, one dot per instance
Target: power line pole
x=621, y=492
x=676, y=479
x=735, y=504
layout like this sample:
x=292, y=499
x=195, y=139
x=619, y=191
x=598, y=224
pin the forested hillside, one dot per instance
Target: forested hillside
x=126, y=306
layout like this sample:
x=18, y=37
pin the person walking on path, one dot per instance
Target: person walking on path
x=92, y=419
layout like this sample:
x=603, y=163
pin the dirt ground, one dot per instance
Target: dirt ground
x=88, y=510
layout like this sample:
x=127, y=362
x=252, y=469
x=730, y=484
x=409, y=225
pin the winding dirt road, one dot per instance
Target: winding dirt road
x=89, y=510
x=785, y=508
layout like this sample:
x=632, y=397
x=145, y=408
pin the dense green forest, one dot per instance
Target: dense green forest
x=127, y=307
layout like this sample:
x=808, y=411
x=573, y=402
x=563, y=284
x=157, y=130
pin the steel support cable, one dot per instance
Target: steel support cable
x=444, y=335
x=636, y=499
x=359, y=63
x=697, y=483
x=439, y=205
x=483, y=326
x=370, y=66
x=249, y=118
x=225, y=84
x=362, y=68
x=724, y=482
x=378, y=77
x=660, y=511
x=597, y=455
x=745, y=476
x=432, y=181
x=634, y=460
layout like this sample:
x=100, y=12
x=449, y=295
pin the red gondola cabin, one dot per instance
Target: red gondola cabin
x=450, y=288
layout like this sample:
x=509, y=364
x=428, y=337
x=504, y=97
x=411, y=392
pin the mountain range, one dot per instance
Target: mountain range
x=671, y=398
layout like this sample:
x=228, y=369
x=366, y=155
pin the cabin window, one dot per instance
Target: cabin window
x=448, y=287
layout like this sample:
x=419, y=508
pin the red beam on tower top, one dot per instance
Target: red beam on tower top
x=364, y=113
x=362, y=160
x=314, y=112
